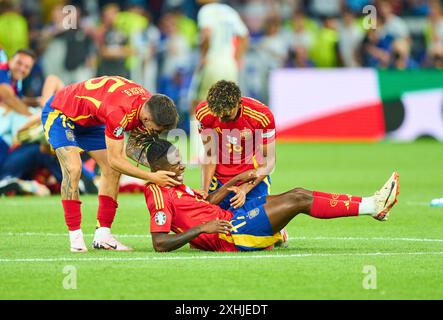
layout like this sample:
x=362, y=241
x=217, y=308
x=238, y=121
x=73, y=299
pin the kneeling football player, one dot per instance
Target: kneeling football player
x=254, y=226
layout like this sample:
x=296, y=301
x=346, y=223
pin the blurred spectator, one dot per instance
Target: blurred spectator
x=435, y=57
x=401, y=55
x=274, y=45
x=350, y=37
x=185, y=26
x=174, y=49
x=14, y=110
x=175, y=63
x=393, y=25
x=323, y=9
x=146, y=45
x=13, y=27
x=324, y=52
x=375, y=49
x=302, y=31
x=434, y=26
x=131, y=22
x=224, y=40
x=70, y=52
x=113, y=48
x=300, y=58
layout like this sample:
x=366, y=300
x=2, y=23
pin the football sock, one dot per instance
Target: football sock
x=324, y=208
x=73, y=216
x=367, y=206
x=107, y=208
x=336, y=196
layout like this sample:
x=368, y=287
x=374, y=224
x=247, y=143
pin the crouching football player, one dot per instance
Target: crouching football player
x=256, y=225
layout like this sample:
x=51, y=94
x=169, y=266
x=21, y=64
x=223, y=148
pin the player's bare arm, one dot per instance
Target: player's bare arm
x=209, y=162
x=31, y=101
x=9, y=98
x=164, y=242
x=263, y=170
x=120, y=163
x=247, y=177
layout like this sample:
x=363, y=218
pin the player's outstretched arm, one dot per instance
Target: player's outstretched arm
x=164, y=242
x=245, y=177
x=118, y=161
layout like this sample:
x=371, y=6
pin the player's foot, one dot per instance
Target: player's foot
x=109, y=243
x=77, y=242
x=386, y=197
x=284, y=243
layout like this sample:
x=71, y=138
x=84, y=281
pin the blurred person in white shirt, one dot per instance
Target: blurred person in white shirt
x=224, y=39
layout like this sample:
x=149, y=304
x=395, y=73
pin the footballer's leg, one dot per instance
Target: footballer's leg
x=281, y=209
x=71, y=165
x=107, y=204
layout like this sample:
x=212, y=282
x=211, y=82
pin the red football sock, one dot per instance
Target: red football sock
x=336, y=196
x=324, y=208
x=73, y=215
x=107, y=208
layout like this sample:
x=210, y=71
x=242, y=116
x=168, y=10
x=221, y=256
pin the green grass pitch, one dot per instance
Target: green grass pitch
x=326, y=259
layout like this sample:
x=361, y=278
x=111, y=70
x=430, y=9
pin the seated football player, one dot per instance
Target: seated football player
x=254, y=226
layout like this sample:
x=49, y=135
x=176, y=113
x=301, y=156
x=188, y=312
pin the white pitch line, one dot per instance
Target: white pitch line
x=318, y=238
x=223, y=257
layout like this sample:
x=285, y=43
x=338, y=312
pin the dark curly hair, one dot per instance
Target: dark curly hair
x=152, y=148
x=223, y=97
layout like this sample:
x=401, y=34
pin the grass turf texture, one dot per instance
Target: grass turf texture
x=325, y=259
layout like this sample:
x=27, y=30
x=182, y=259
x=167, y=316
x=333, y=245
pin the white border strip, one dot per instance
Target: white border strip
x=224, y=257
x=318, y=238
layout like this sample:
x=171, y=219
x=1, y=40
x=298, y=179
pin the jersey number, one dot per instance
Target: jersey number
x=118, y=82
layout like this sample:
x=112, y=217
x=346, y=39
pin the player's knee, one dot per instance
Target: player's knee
x=300, y=196
x=72, y=171
x=110, y=173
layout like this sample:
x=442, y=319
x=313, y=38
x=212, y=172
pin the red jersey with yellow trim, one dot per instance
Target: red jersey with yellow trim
x=112, y=101
x=239, y=140
x=179, y=209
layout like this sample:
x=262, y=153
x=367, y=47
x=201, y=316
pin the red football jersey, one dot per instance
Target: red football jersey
x=239, y=140
x=179, y=209
x=112, y=101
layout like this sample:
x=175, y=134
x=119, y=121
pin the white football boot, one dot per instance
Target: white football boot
x=77, y=242
x=386, y=197
x=103, y=239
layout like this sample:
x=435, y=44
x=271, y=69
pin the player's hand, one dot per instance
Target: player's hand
x=240, y=197
x=248, y=176
x=164, y=179
x=216, y=226
x=201, y=193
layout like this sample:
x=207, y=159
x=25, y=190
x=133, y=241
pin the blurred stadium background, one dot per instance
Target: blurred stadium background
x=351, y=105
x=322, y=73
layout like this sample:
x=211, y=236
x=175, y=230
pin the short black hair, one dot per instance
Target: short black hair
x=27, y=52
x=163, y=111
x=223, y=97
x=152, y=148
